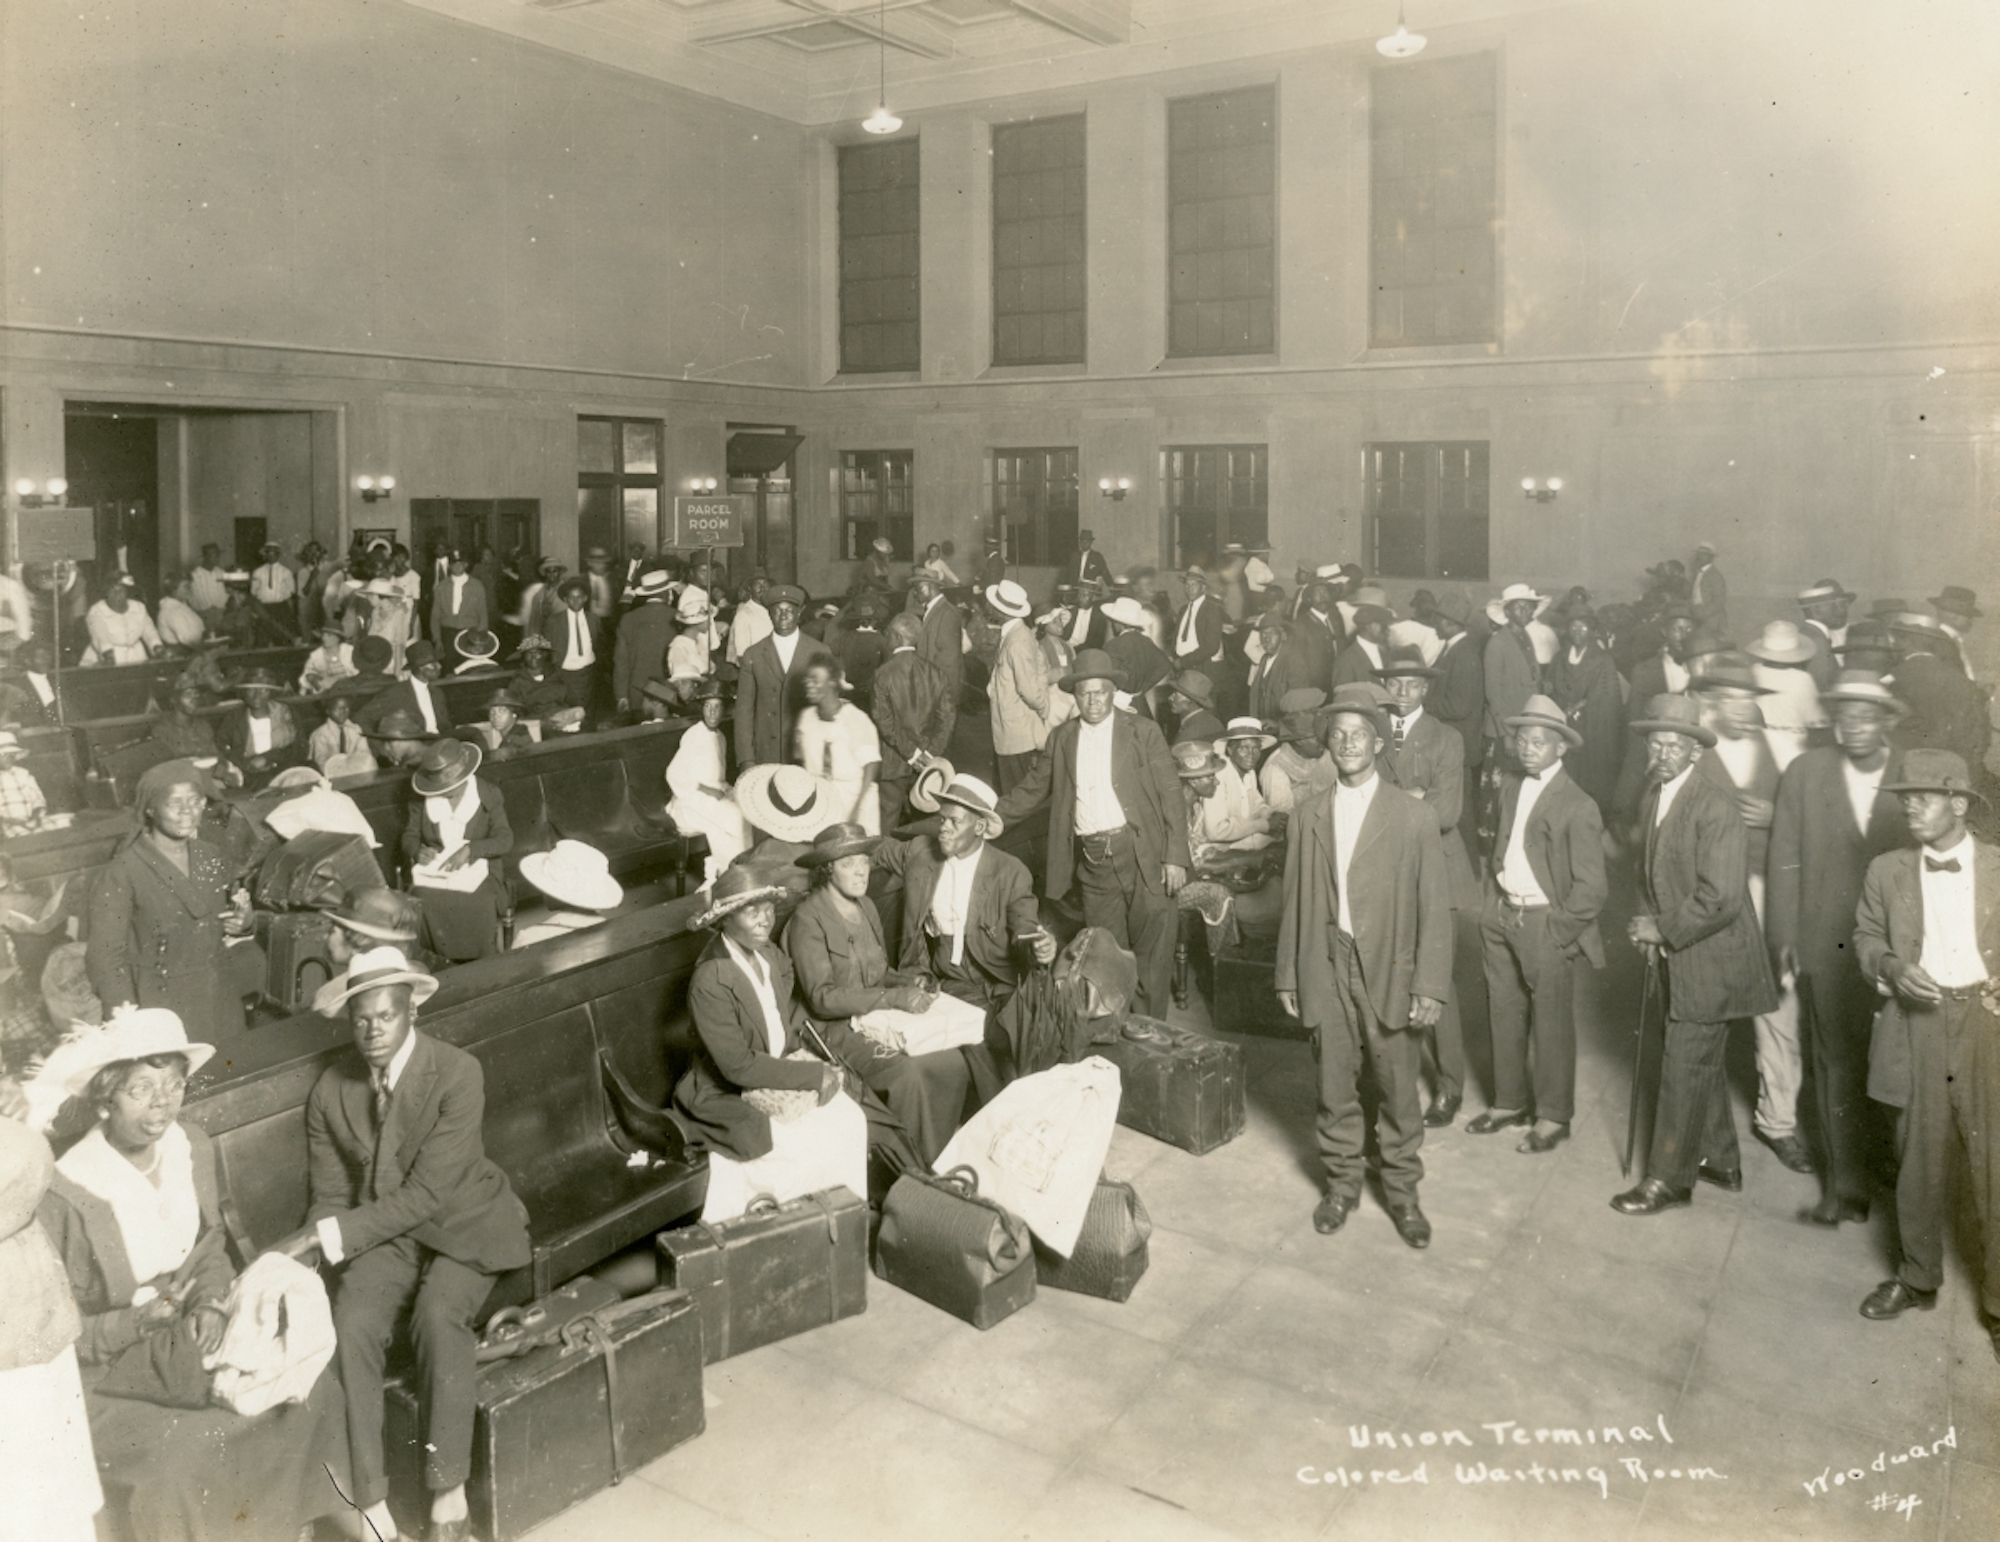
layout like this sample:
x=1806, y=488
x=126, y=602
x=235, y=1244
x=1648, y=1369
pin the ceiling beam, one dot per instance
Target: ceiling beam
x=1095, y=21
x=906, y=29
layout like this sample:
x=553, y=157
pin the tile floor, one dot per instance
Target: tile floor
x=1225, y=1398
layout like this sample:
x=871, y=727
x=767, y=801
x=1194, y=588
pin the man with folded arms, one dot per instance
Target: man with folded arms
x=1364, y=960
x=1539, y=920
x=1928, y=932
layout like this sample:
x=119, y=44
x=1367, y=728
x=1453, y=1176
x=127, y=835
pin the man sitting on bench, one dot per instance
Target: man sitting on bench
x=405, y=1204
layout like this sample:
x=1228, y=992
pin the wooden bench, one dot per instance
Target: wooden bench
x=98, y=691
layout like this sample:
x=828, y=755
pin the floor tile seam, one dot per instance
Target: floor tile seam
x=705, y=1508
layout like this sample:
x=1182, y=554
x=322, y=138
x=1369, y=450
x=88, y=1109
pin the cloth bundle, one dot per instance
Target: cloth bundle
x=279, y=1338
x=949, y=1024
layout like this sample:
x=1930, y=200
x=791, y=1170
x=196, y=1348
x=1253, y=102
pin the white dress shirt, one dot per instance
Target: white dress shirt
x=1951, y=920
x=209, y=591
x=1516, y=876
x=581, y=654
x=759, y=975
x=953, y=899
x=1676, y=674
x=1862, y=786
x=1187, y=639
x=457, y=601
x=1373, y=650
x=272, y=584
x=259, y=735
x=425, y=704
x=1097, y=805
x=328, y=1226
x=1668, y=792
x=1350, y=807
x=39, y=684
x=787, y=644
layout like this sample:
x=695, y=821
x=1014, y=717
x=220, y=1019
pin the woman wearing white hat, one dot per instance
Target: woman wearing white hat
x=576, y=880
x=135, y=1215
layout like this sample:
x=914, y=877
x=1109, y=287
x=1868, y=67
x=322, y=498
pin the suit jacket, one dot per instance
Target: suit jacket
x=1513, y=674
x=1593, y=697
x=1458, y=695
x=1696, y=881
x=1564, y=845
x=1141, y=660
x=427, y=1175
x=1018, y=692
x=1649, y=679
x=471, y=610
x=913, y=711
x=1431, y=766
x=1947, y=711
x=1817, y=860
x=1353, y=665
x=1268, y=685
x=487, y=835
x=1399, y=897
x=288, y=745
x=640, y=655
x=1207, y=646
x=941, y=643
x=1763, y=784
x=769, y=698
x=1091, y=565
x=1318, y=643
x=1891, y=920
x=559, y=635
x=1148, y=788
x=1003, y=908
x=733, y=1050
x=402, y=694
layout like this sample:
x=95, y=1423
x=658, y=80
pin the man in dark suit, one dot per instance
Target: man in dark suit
x=405, y=1205
x=1316, y=635
x=1364, y=960
x=1278, y=671
x=1825, y=604
x=1090, y=567
x=417, y=694
x=1663, y=672
x=1544, y=891
x=1197, y=639
x=1425, y=759
x=578, y=636
x=1363, y=657
x=1695, y=920
x=1928, y=933
x=1117, y=822
x=1946, y=710
x=1832, y=819
x=941, y=633
x=914, y=715
x=640, y=655
x=1458, y=696
x=770, y=683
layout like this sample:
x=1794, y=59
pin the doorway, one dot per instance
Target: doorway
x=760, y=468
x=1428, y=509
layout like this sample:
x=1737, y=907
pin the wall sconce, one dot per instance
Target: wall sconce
x=701, y=484
x=1115, y=491
x=1544, y=492
x=375, y=489
x=52, y=494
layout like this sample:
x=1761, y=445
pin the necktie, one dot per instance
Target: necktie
x=1948, y=865
x=380, y=1079
x=1400, y=727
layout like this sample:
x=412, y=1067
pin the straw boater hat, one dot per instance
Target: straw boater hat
x=783, y=801
x=380, y=914
x=574, y=873
x=1541, y=712
x=969, y=792
x=1009, y=598
x=1194, y=760
x=653, y=584
x=446, y=766
x=1094, y=664
x=1781, y=642
x=1921, y=623
x=233, y=576
x=132, y=1033
x=1862, y=685
x=736, y=888
x=10, y=745
x=837, y=841
x=1248, y=728
x=369, y=971
x=1934, y=771
x=475, y=643
x=1124, y=610
x=883, y=545
x=1675, y=715
x=1823, y=590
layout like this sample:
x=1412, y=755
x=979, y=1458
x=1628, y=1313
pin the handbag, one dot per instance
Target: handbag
x=1110, y=1253
x=946, y=1243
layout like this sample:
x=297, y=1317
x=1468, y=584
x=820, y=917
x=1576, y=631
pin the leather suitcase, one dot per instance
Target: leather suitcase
x=316, y=870
x=620, y=1388
x=1177, y=1086
x=945, y=1244
x=296, y=964
x=1110, y=1253
x=776, y=1271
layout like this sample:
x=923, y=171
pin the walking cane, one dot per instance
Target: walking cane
x=1646, y=994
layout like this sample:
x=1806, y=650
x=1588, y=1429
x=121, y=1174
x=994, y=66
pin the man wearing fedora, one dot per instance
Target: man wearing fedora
x=1425, y=759
x=1782, y=660
x=404, y=1204
x=417, y=694
x=458, y=602
x=1198, y=628
x=1191, y=699
x=1277, y=670
x=1543, y=895
x=1824, y=603
x=1696, y=923
x=1214, y=825
x=260, y=738
x=1833, y=817
x=1928, y=936
x=1946, y=710
x=1364, y=960
x=1090, y=566
x=914, y=715
x=1364, y=656
x=1239, y=806
x=1117, y=822
x=770, y=683
x=1458, y=696
x=1300, y=767
x=1018, y=688
x=1513, y=668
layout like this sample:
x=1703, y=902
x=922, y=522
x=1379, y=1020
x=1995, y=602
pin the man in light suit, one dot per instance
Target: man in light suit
x=770, y=684
x=1017, y=691
x=1117, y=822
x=1364, y=960
x=1928, y=933
x=1696, y=920
x=458, y=603
x=405, y=1205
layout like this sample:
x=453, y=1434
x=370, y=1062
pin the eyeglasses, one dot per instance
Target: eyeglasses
x=156, y=1093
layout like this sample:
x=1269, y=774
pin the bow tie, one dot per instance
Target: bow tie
x=1948, y=865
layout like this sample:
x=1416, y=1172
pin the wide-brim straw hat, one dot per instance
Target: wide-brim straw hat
x=931, y=780
x=969, y=792
x=1009, y=598
x=1675, y=715
x=574, y=873
x=1934, y=771
x=1124, y=610
x=1542, y=712
x=1092, y=664
x=371, y=970
x=837, y=841
x=736, y=888
x=1825, y=590
x=1239, y=729
x=475, y=643
x=788, y=802
x=132, y=1034
x=446, y=764
x=1863, y=685
x=1781, y=642
x=652, y=584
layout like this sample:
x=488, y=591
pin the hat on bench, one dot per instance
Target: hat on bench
x=574, y=873
x=783, y=801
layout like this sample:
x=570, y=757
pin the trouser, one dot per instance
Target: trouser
x=443, y=1296
x=1838, y=1018
x=1954, y=1083
x=577, y=685
x=1694, y=1123
x=895, y=798
x=1014, y=769
x=1529, y=992
x=1780, y=1066
x=1445, y=1043
x=1138, y=916
x=1352, y=1041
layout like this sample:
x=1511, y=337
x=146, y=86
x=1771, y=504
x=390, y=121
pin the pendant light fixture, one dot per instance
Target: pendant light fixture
x=881, y=120
x=1402, y=43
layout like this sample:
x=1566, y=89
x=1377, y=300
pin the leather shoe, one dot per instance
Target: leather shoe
x=1330, y=1214
x=1411, y=1225
x=1443, y=1110
x=1789, y=1150
x=1489, y=1123
x=1729, y=1179
x=1831, y=1211
x=1536, y=1143
x=1651, y=1197
x=1892, y=1298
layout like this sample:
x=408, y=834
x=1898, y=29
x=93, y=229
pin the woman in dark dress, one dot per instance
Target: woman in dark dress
x=455, y=840
x=836, y=947
x=161, y=907
x=1583, y=680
